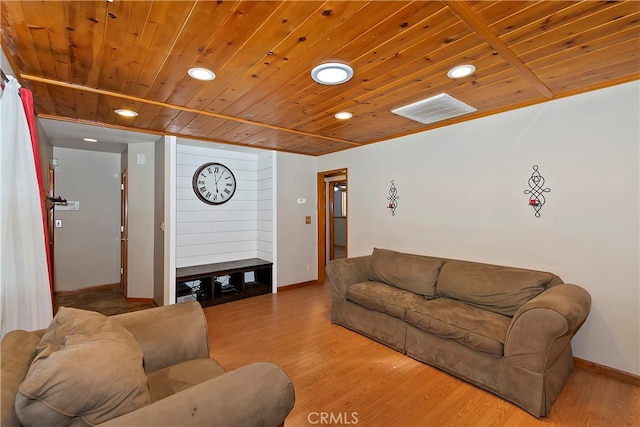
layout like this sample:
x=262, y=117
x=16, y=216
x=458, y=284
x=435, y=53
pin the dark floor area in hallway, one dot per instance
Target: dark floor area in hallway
x=106, y=300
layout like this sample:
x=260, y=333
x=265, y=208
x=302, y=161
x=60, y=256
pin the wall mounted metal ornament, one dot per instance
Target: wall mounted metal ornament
x=536, y=191
x=393, y=198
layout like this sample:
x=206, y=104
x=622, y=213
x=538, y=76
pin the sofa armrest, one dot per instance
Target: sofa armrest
x=260, y=394
x=347, y=271
x=542, y=327
x=168, y=335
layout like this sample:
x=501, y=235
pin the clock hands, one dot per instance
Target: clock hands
x=216, y=181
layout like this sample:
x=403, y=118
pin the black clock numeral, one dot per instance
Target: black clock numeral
x=201, y=182
x=209, y=170
x=216, y=169
x=215, y=197
x=229, y=184
x=203, y=189
x=208, y=194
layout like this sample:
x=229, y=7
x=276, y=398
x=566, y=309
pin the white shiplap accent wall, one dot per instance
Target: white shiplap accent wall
x=265, y=206
x=238, y=229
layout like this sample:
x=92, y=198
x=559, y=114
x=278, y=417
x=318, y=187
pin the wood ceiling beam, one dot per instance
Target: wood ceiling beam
x=465, y=13
x=179, y=107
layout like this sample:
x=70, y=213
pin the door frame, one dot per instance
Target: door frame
x=124, y=230
x=322, y=217
x=51, y=217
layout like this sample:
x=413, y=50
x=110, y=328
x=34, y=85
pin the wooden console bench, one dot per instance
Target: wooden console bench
x=222, y=282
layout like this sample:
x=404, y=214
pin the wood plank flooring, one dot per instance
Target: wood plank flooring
x=351, y=380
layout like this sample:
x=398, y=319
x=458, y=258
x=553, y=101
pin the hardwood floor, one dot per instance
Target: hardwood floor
x=351, y=380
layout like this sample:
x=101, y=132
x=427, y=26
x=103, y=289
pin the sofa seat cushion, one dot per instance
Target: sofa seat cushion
x=383, y=298
x=499, y=289
x=87, y=369
x=471, y=326
x=413, y=273
x=171, y=380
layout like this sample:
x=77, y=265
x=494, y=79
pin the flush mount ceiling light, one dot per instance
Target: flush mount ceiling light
x=126, y=113
x=343, y=115
x=461, y=71
x=332, y=73
x=90, y=139
x=201, y=74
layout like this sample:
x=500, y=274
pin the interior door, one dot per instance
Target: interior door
x=123, y=232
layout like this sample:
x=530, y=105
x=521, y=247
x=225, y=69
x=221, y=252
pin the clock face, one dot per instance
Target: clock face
x=214, y=183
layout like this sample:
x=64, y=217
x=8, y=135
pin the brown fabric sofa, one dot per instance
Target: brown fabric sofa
x=504, y=329
x=149, y=367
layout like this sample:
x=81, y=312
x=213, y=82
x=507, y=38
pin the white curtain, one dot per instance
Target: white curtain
x=25, y=296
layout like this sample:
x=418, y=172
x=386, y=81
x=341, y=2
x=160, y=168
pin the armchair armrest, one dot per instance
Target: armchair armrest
x=345, y=272
x=543, y=326
x=260, y=394
x=169, y=334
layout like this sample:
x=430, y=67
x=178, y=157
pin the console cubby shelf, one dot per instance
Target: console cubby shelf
x=225, y=281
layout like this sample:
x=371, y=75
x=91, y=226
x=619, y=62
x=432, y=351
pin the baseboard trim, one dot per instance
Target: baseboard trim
x=90, y=288
x=297, y=285
x=606, y=371
x=142, y=300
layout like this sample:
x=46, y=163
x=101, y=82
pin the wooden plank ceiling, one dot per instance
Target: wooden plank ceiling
x=84, y=59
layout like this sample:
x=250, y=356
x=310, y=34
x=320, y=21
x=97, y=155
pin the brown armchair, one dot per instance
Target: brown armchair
x=177, y=383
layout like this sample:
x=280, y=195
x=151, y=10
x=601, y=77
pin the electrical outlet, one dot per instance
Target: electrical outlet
x=58, y=223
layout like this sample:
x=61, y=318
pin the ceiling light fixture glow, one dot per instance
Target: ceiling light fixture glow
x=126, y=113
x=201, y=74
x=343, y=115
x=90, y=139
x=332, y=73
x=461, y=71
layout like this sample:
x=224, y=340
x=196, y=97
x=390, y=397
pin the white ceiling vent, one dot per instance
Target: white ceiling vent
x=434, y=109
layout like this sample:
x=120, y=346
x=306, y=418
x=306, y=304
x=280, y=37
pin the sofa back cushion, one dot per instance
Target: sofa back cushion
x=414, y=273
x=87, y=370
x=496, y=288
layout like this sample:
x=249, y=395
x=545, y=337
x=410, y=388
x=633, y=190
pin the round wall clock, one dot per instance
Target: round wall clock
x=214, y=183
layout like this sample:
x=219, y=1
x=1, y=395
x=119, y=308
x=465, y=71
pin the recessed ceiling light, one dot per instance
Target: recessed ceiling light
x=201, y=74
x=332, y=73
x=126, y=113
x=343, y=115
x=90, y=139
x=461, y=71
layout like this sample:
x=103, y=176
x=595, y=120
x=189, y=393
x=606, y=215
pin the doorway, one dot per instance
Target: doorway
x=332, y=218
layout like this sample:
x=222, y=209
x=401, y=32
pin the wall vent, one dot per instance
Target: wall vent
x=434, y=109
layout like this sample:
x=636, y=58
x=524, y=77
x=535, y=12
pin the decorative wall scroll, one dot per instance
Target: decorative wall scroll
x=536, y=191
x=393, y=198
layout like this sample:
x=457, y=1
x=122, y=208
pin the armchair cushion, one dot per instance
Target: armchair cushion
x=171, y=380
x=86, y=366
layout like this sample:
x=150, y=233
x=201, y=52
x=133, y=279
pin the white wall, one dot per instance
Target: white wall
x=141, y=209
x=87, y=247
x=461, y=196
x=296, y=241
x=209, y=234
